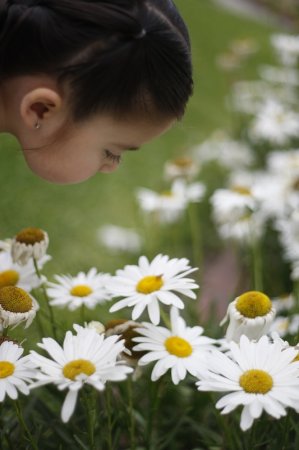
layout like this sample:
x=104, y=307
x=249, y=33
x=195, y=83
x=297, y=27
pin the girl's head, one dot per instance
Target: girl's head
x=81, y=81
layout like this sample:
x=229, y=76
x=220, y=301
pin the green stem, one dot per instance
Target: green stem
x=52, y=320
x=109, y=417
x=227, y=430
x=155, y=396
x=296, y=293
x=83, y=314
x=165, y=318
x=131, y=415
x=257, y=265
x=26, y=433
x=89, y=403
x=5, y=331
x=195, y=230
x=286, y=432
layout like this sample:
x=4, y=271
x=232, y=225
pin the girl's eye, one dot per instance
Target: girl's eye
x=112, y=157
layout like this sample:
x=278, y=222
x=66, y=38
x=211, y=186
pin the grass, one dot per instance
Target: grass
x=72, y=214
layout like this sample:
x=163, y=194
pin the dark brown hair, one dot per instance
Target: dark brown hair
x=116, y=56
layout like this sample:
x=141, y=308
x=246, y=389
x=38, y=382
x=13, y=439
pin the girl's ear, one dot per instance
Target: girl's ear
x=40, y=105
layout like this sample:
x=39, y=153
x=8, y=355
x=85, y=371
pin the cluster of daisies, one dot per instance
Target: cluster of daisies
x=251, y=366
x=251, y=200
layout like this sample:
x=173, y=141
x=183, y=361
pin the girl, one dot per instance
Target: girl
x=82, y=81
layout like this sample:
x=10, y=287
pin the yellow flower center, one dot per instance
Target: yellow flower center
x=167, y=194
x=74, y=368
x=241, y=190
x=280, y=118
x=6, y=369
x=149, y=284
x=15, y=299
x=9, y=278
x=296, y=185
x=296, y=358
x=256, y=381
x=81, y=290
x=253, y=304
x=178, y=346
x=30, y=236
x=184, y=163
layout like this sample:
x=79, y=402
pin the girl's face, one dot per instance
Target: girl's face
x=80, y=151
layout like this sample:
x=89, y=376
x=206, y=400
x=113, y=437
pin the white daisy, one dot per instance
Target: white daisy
x=244, y=47
x=286, y=325
x=236, y=215
x=251, y=314
x=15, y=371
x=231, y=204
x=23, y=276
x=259, y=375
x=288, y=227
x=224, y=151
x=181, y=349
x=84, y=289
x=275, y=123
x=99, y=327
x=287, y=48
x=165, y=207
x=16, y=306
x=285, y=75
x=249, y=96
x=85, y=358
x=149, y=283
x=29, y=243
x=119, y=239
x=184, y=167
x=283, y=302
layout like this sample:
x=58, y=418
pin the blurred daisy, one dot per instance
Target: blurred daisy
x=184, y=167
x=165, y=207
x=244, y=47
x=149, y=283
x=283, y=302
x=275, y=123
x=16, y=306
x=182, y=349
x=29, y=243
x=251, y=314
x=15, y=371
x=259, y=375
x=99, y=327
x=246, y=229
x=236, y=214
x=286, y=325
x=229, y=61
x=13, y=274
x=119, y=239
x=191, y=192
x=82, y=290
x=85, y=358
x=283, y=75
x=284, y=162
x=233, y=203
x=288, y=228
x=249, y=96
x=287, y=48
x=224, y=151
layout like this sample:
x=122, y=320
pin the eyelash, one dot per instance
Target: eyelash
x=112, y=157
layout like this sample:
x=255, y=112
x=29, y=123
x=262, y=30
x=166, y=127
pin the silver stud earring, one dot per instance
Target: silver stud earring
x=37, y=125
